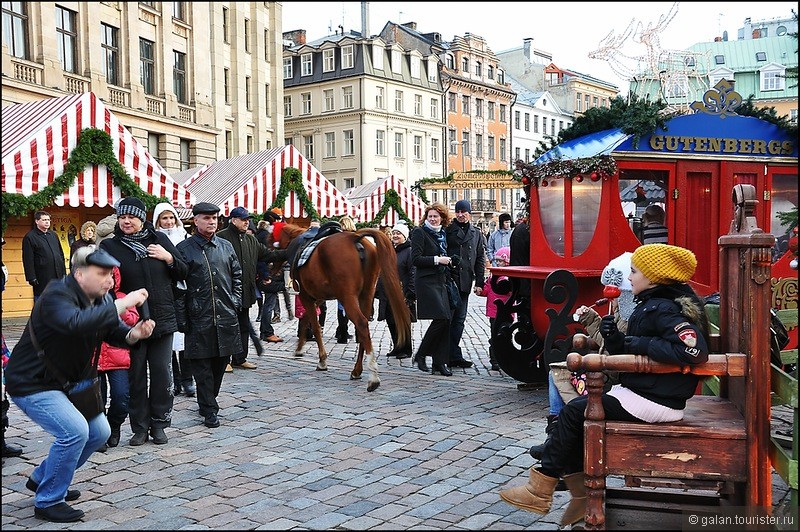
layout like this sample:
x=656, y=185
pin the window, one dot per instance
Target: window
x=398, y=101
x=527, y=121
x=451, y=102
x=226, y=80
x=15, y=28
x=397, y=66
x=179, y=10
x=464, y=104
x=449, y=61
x=478, y=68
x=226, y=25
x=328, y=60
x=380, y=102
x=479, y=146
x=719, y=59
x=418, y=147
x=152, y=144
x=433, y=70
x=179, y=77
x=490, y=71
x=147, y=67
x=465, y=64
x=377, y=57
x=527, y=154
x=67, y=36
x=185, y=161
x=349, y=182
x=308, y=146
x=267, y=106
x=398, y=144
x=247, y=35
x=479, y=107
x=490, y=110
x=761, y=56
x=501, y=77
x=306, y=65
x=110, y=47
x=502, y=113
x=288, y=141
x=491, y=148
x=579, y=102
x=465, y=143
x=347, y=56
x=380, y=142
x=250, y=144
x=517, y=154
x=418, y=104
x=330, y=144
x=595, y=101
x=248, y=100
x=415, y=67
x=553, y=126
x=287, y=68
x=349, y=142
x=434, y=108
x=327, y=95
x=773, y=80
x=535, y=123
x=347, y=97
x=452, y=142
x=502, y=149
x=560, y=125
x=544, y=125
x=228, y=144
x=306, y=103
x=690, y=61
x=434, y=150
x=266, y=44
x=516, y=119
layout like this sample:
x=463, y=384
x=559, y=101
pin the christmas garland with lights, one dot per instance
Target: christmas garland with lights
x=292, y=181
x=418, y=189
x=391, y=201
x=595, y=168
x=94, y=147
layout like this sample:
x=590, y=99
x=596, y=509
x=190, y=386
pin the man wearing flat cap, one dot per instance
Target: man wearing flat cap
x=249, y=251
x=214, y=280
x=70, y=320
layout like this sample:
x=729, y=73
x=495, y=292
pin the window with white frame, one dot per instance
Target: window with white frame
x=491, y=148
x=287, y=106
x=544, y=125
x=451, y=102
x=418, y=147
x=501, y=77
x=251, y=145
x=349, y=182
x=502, y=113
x=535, y=123
x=465, y=64
x=380, y=142
x=465, y=104
x=433, y=70
x=347, y=97
x=398, y=144
x=490, y=71
x=502, y=149
x=490, y=110
x=347, y=56
x=398, y=101
x=449, y=61
x=434, y=108
x=527, y=121
x=418, y=105
x=248, y=98
x=109, y=44
x=397, y=66
x=415, y=67
x=377, y=57
x=578, y=102
x=434, y=150
x=67, y=35
x=306, y=64
x=527, y=154
x=185, y=161
x=380, y=100
x=306, y=103
x=147, y=65
x=517, y=154
x=516, y=119
x=308, y=146
x=349, y=142
x=330, y=144
x=773, y=79
x=287, y=68
x=479, y=146
x=15, y=28
x=478, y=68
x=247, y=35
x=328, y=98
x=465, y=143
x=676, y=88
x=328, y=60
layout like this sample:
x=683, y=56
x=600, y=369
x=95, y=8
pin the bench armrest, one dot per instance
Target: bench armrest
x=730, y=364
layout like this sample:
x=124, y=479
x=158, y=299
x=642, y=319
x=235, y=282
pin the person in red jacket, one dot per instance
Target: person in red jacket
x=113, y=371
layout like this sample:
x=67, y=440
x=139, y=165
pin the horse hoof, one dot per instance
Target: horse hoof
x=354, y=377
x=322, y=368
x=298, y=353
x=373, y=386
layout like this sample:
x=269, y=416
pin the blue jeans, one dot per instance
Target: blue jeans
x=556, y=402
x=75, y=440
x=117, y=381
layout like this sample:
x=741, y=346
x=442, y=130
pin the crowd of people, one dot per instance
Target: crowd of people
x=138, y=293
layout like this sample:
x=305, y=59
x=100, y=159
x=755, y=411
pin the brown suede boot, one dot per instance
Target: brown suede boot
x=535, y=496
x=576, y=509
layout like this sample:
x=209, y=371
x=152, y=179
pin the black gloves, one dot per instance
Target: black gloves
x=614, y=340
x=35, y=282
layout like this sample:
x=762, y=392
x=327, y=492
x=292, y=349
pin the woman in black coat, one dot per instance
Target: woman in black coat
x=429, y=256
x=148, y=259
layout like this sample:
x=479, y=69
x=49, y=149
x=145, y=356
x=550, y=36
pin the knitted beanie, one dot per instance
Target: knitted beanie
x=504, y=253
x=133, y=206
x=664, y=264
x=401, y=228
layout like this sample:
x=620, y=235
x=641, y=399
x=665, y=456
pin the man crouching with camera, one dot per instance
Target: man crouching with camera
x=52, y=373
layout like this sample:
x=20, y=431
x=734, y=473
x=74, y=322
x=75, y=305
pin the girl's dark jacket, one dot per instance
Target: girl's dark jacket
x=405, y=269
x=69, y=328
x=152, y=274
x=213, y=298
x=668, y=325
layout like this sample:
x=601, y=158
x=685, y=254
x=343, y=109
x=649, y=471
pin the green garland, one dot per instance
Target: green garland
x=597, y=167
x=293, y=181
x=420, y=191
x=94, y=147
x=391, y=200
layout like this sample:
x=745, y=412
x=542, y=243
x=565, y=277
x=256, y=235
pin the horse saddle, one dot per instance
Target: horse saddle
x=327, y=229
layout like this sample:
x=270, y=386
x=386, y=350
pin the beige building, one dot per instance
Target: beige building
x=194, y=81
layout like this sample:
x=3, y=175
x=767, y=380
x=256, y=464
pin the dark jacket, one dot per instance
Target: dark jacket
x=213, y=297
x=42, y=259
x=430, y=278
x=249, y=251
x=69, y=328
x=668, y=325
x=152, y=274
x=405, y=269
x=468, y=243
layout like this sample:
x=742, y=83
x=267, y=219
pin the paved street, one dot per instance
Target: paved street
x=301, y=449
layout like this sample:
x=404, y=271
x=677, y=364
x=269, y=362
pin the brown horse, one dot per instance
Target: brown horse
x=345, y=266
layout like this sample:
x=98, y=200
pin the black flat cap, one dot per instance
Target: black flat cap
x=93, y=255
x=205, y=208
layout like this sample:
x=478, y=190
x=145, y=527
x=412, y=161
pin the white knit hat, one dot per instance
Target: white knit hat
x=402, y=228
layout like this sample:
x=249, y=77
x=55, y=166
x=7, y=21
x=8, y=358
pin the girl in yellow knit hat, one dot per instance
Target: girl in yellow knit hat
x=668, y=325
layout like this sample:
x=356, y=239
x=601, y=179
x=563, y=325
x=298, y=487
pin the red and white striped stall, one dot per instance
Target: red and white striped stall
x=38, y=138
x=370, y=198
x=252, y=181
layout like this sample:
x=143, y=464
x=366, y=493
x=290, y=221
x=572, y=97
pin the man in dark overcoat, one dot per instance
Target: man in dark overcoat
x=42, y=256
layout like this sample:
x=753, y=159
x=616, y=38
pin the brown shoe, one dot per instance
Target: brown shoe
x=245, y=365
x=229, y=369
x=273, y=338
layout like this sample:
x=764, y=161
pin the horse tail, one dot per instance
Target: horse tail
x=387, y=260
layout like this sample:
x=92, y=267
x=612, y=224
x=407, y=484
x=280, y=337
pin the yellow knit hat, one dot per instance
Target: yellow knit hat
x=664, y=264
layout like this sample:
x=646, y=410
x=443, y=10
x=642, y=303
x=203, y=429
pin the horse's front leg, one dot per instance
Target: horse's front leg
x=301, y=337
x=322, y=365
x=358, y=368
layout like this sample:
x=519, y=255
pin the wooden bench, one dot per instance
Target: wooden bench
x=718, y=454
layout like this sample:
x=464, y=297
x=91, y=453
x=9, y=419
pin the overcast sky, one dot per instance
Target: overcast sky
x=569, y=31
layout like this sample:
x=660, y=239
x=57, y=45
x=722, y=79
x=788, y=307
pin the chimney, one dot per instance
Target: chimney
x=298, y=37
x=526, y=47
x=365, y=20
x=410, y=25
x=717, y=39
x=725, y=36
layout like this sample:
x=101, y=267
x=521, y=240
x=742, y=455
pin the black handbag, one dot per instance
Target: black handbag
x=453, y=294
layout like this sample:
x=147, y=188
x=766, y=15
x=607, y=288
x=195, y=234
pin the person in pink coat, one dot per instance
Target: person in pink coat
x=113, y=371
x=501, y=257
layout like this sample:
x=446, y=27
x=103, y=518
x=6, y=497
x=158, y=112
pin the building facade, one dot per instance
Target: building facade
x=193, y=81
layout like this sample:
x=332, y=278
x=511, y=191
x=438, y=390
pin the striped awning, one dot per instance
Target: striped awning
x=252, y=181
x=370, y=198
x=38, y=139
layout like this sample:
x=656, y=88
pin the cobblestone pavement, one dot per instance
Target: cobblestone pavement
x=308, y=450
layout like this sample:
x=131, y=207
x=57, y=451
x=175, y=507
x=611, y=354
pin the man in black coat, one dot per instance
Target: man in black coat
x=465, y=241
x=42, y=256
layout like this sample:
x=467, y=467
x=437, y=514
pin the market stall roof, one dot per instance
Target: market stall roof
x=592, y=145
x=39, y=137
x=252, y=181
x=371, y=197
